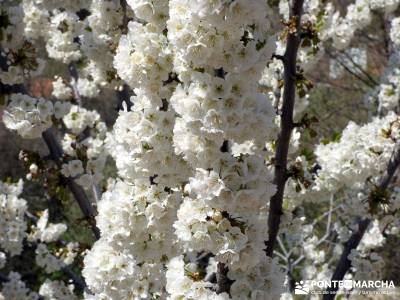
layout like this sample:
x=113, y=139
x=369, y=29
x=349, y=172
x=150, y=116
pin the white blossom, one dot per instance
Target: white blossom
x=12, y=222
x=57, y=290
x=61, y=90
x=15, y=289
x=28, y=116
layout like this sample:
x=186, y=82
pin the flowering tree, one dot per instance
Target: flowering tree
x=216, y=193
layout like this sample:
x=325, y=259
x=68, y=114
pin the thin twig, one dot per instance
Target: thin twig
x=282, y=247
x=359, y=67
x=96, y=192
x=325, y=214
x=328, y=225
x=282, y=256
x=353, y=73
x=327, y=230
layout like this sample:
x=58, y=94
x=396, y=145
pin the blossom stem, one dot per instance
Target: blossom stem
x=289, y=94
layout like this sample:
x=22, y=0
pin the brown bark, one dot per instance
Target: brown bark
x=287, y=125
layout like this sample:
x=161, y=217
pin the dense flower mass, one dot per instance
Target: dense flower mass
x=148, y=195
x=358, y=15
x=371, y=144
x=149, y=53
x=13, y=225
x=155, y=151
x=216, y=173
x=223, y=210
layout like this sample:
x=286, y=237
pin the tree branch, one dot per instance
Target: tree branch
x=85, y=205
x=223, y=282
x=56, y=154
x=125, y=19
x=359, y=67
x=76, y=279
x=289, y=93
x=344, y=263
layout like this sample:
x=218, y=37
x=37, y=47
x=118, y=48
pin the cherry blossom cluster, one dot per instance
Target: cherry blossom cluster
x=388, y=91
x=342, y=29
x=223, y=210
x=30, y=117
x=84, y=143
x=80, y=33
x=137, y=212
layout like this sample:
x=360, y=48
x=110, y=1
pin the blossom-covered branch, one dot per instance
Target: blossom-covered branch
x=344, y=263
x=77, y=191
